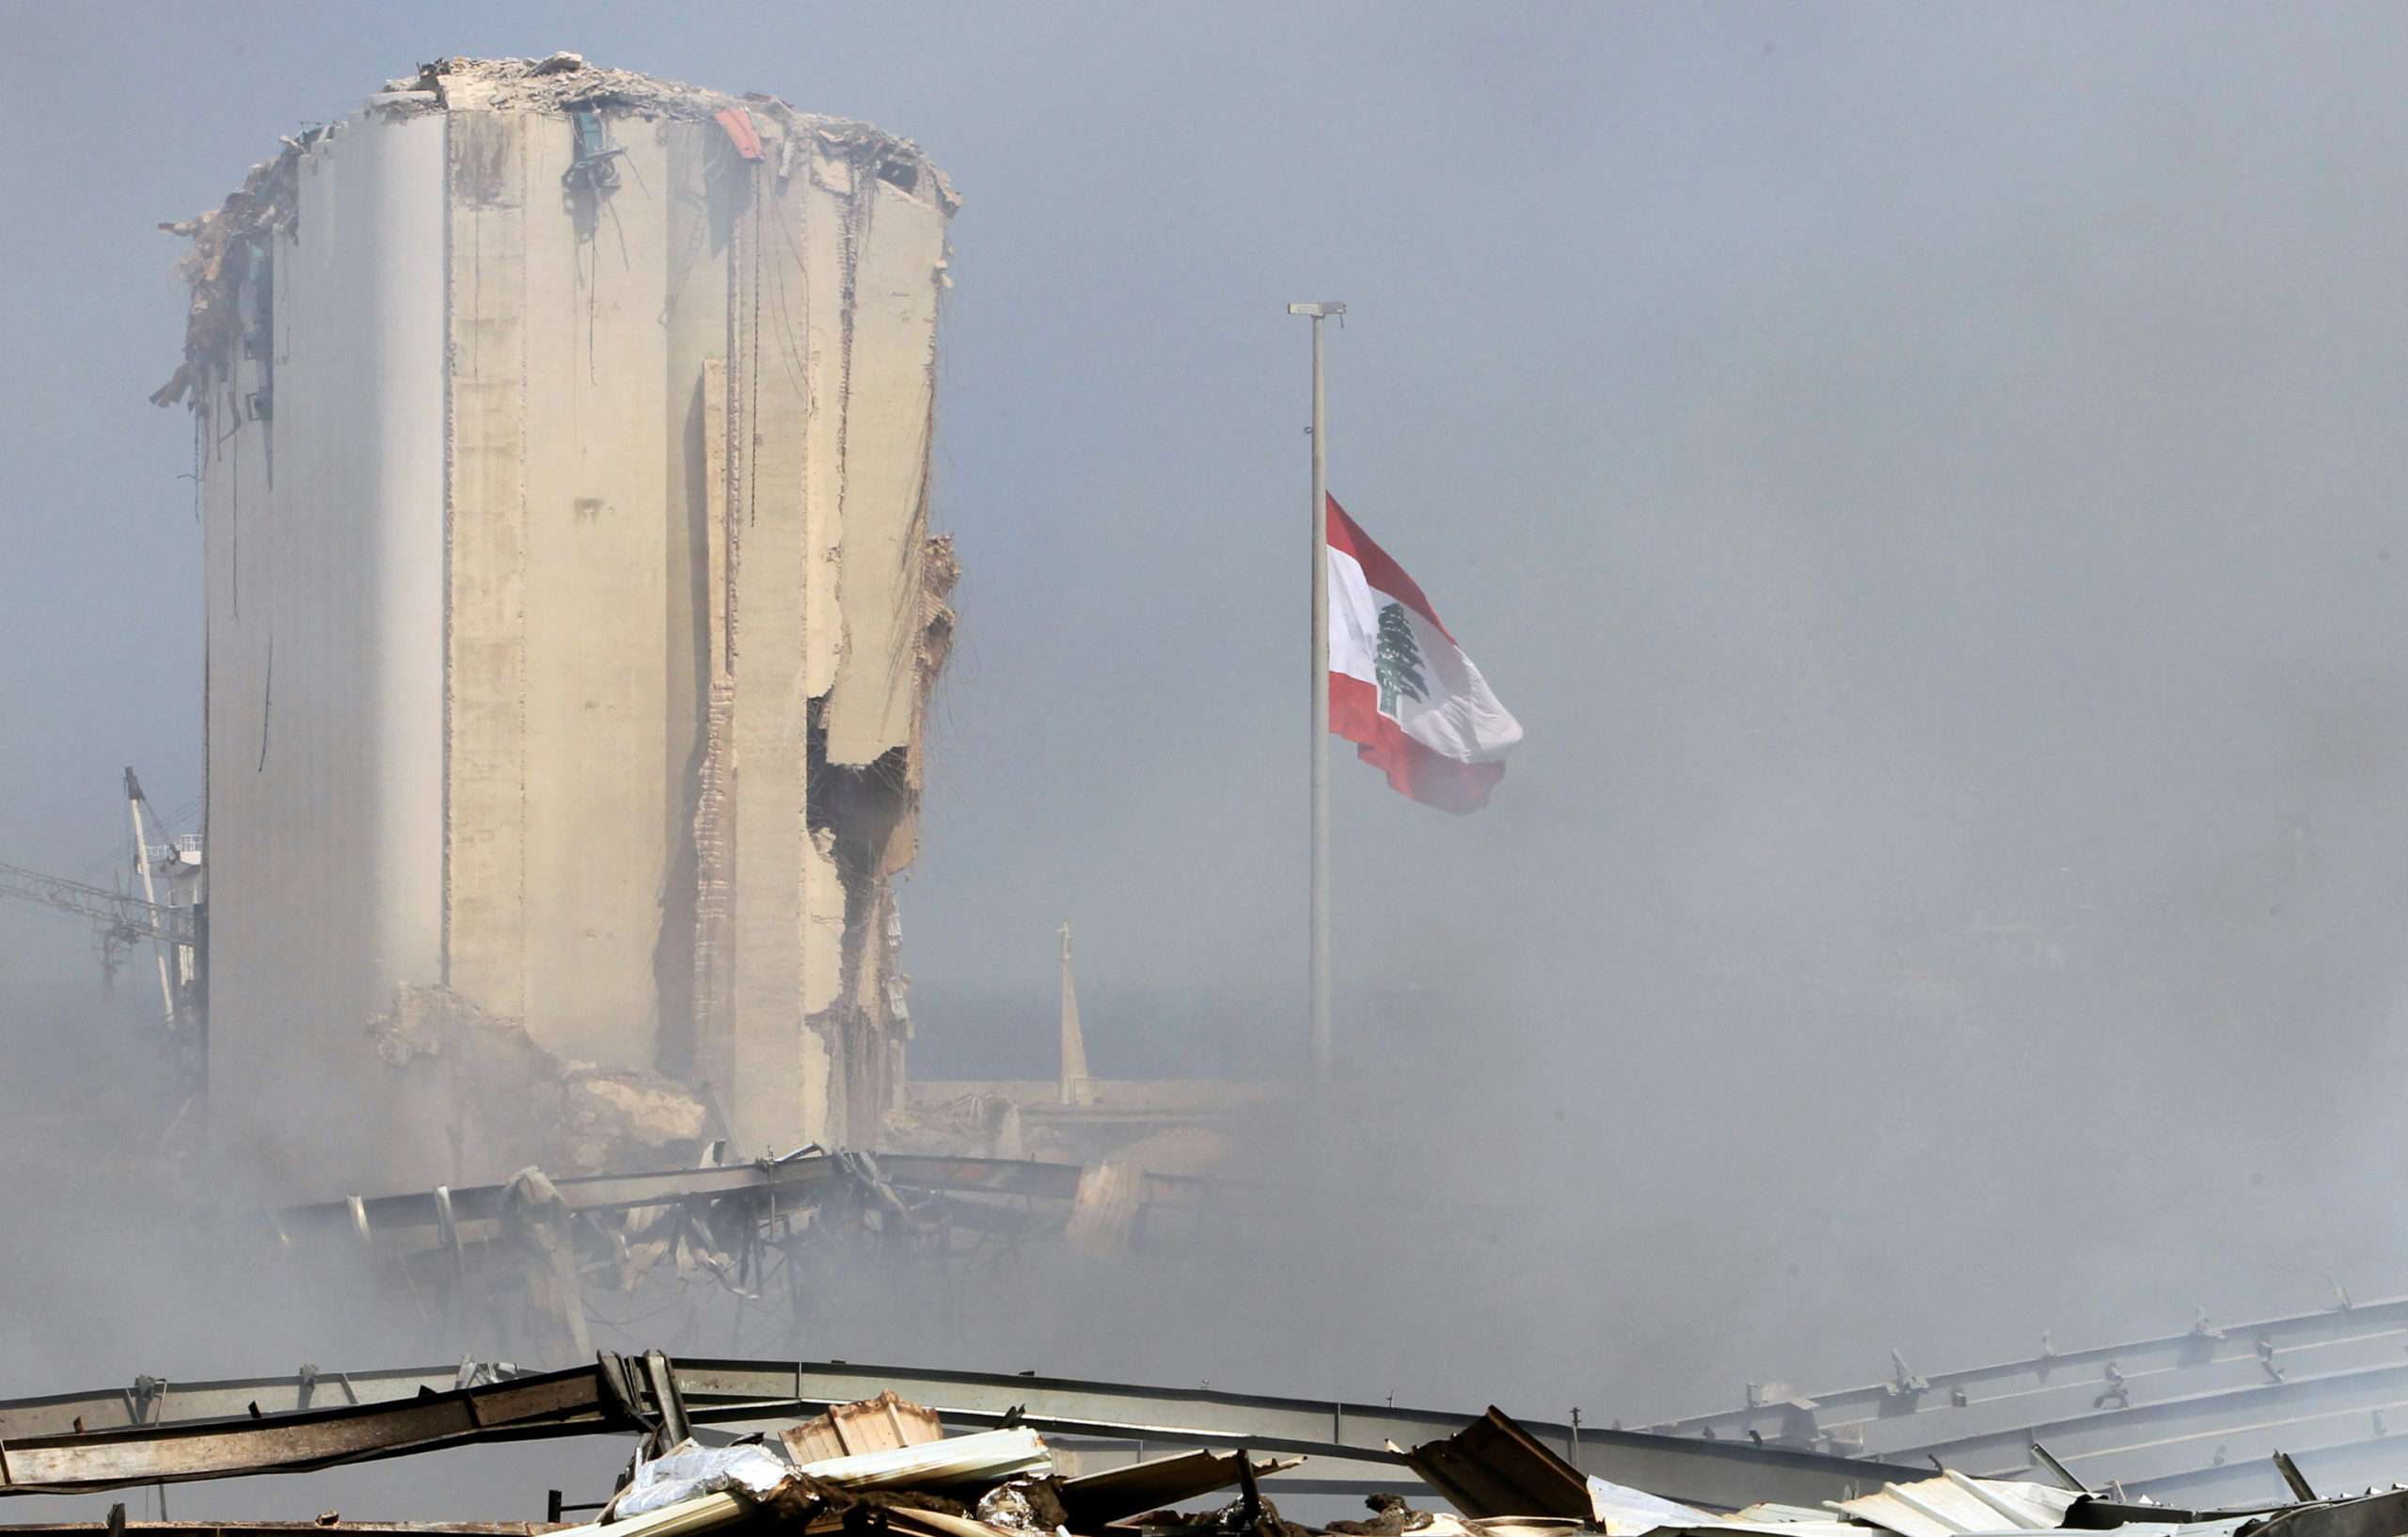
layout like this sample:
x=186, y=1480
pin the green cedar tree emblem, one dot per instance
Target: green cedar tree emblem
x=1397, y=663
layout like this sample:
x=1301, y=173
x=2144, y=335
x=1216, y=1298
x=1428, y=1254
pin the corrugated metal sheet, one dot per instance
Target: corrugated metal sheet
x=988, y=1456
x=882, y=1423
x=1952, y=1504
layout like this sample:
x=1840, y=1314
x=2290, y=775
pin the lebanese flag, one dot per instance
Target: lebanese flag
x=1399, y=688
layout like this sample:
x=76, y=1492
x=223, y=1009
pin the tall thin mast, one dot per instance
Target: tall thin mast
x=1320, y=728
x=1077, y=1086
x=133, y=799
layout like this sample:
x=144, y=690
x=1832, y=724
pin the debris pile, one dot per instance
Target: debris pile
x=224, y=251
x=507, y=1103
x=886, y=1464
x=547, y=1259
x=727, y=1446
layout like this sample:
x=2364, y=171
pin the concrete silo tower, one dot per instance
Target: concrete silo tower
x=565, y=443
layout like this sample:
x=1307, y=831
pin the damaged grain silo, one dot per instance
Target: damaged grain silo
x=565, y=443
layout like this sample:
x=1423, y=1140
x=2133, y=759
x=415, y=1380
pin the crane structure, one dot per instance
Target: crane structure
x=172, y=920
x=122, y=922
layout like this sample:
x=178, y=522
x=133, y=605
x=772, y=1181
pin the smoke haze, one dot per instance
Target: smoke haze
x=1929, y=480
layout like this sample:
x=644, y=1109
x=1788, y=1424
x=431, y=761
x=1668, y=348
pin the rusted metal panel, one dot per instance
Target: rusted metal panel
x=154, y=1402
x=1095, y=1498
x=557, y=1403
x=138, y=1456
x=1495, y=1467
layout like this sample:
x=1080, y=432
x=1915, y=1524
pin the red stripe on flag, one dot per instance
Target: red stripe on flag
x=1379, y=568
x=1413, y=769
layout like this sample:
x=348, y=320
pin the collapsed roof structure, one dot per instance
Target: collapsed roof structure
x=766, y=1237
x=2187, y=1419
x=756, y=1447
x=160, y=1431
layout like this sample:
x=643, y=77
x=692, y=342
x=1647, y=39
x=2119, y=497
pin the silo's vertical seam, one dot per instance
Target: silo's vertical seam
x=451, y=512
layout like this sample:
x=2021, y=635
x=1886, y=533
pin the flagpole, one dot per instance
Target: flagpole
x=1320, y=724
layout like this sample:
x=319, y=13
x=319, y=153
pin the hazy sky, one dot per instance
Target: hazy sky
x=1929, y=480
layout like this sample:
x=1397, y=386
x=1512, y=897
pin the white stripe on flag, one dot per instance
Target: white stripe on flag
x=1457, y=716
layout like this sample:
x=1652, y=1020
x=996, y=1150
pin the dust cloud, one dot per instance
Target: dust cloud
x=1929, y=480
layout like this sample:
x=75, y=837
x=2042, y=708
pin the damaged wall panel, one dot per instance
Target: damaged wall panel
x=887, y=419
x=570, y=607
x=778, y=1066
x=695, y=314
